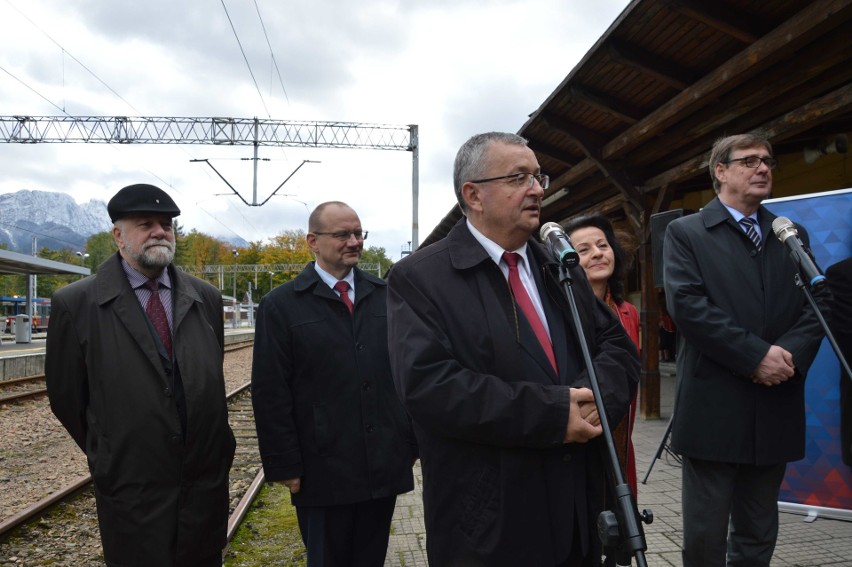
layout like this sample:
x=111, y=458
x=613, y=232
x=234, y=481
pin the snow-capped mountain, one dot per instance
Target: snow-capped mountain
x=55, y=219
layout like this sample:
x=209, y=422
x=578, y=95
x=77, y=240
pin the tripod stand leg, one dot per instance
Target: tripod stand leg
x=659, y=449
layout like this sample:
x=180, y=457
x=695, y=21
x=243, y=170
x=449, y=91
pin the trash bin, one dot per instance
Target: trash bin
x=23, y=332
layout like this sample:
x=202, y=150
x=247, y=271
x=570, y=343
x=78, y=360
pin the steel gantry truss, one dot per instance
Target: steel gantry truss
x=220, y=271
x=219, y=131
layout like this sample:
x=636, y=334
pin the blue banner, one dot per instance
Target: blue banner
x=821, y=479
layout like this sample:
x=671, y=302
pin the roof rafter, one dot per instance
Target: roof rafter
x=710, y=14
x=645, y=62
x=817, y=18
x=605, y=103
x=591, y=144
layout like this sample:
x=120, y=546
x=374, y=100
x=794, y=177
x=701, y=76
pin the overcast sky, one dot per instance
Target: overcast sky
x=453, y=67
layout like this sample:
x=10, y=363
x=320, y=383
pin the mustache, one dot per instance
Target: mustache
x=155, y=242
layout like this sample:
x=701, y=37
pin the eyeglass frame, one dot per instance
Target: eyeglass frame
x=345, y=235
x=770, y=161
x=515, y=176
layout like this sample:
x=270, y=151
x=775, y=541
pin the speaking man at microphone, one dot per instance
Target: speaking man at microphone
x=486, y=361
x=748, y=336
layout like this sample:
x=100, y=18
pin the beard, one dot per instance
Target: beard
x=155, y=254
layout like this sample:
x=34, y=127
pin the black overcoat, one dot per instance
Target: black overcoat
x=730, y=304
x=499, y=486
x=162, y=500
x=324, y=402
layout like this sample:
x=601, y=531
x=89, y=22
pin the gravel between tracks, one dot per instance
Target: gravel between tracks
x=38, y=457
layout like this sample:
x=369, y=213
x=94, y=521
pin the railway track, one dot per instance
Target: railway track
x=62, y=529
x=31, y=387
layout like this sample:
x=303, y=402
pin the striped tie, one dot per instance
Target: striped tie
x=751, y=232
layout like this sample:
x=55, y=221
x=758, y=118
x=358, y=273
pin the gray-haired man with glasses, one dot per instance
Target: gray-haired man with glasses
x=487, y=362
x=328, y=421
x=749, y=337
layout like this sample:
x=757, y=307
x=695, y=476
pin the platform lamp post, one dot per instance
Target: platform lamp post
x=270, y=280
x=235, y=309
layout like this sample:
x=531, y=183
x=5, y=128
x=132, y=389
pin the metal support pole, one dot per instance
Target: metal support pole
x=415, y=185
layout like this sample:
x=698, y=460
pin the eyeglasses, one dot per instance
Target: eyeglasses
x=345, y=235
x=520, y=180
x=754, y=161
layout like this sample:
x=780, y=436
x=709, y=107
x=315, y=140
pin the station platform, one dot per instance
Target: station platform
x=802, y=541
x=27, y=359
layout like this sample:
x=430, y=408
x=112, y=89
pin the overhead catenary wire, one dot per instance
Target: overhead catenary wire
x=245, y=58
x=115, y=93
x=271, y=52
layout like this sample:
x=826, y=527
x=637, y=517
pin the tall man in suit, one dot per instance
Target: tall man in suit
x=748, y=339
x=485, y=358
x=328, y=420
x=134, y=373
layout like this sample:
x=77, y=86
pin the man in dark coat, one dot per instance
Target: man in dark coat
x=147, y=408
x=748, y=339
x=839, y=278
x=328, y=420
x=508, y=431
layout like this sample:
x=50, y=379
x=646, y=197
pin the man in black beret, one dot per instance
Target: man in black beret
x=134, y=373
x=141, y=198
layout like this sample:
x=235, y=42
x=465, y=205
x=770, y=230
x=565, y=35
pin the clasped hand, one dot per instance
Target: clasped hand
x=776, y=367
x=584, y=423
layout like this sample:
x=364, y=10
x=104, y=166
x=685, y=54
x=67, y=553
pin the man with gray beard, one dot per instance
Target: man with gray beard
x=134, y=373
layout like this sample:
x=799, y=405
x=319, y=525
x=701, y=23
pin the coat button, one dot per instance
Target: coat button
x=360, y=346
x=567, y=457
x=175, y=439
x=370, y=428
x=366, y=386
x=167, y=391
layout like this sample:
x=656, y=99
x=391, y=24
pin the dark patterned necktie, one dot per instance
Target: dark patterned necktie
x=157, y=314
x=343, y=288
x=751, y=232
x=526, y=305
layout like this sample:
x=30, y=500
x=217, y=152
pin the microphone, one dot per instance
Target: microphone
x=786, y=232
x=560, y=246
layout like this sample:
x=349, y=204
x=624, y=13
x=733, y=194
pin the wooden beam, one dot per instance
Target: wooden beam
x=802, y=119
x=590, y=142
x=734, y=23
x=817, y=18
x=650, y=64
x=820, y=66
x=551, y=152
x=605, y=103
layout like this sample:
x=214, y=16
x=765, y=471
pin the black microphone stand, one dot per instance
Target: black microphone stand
x=621, y=528
x=663, y=446
x=828, y=334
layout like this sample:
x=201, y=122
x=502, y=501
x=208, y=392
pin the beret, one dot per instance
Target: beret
x=141, y=198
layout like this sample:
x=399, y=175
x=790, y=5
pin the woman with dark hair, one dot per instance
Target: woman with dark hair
x=605, y=263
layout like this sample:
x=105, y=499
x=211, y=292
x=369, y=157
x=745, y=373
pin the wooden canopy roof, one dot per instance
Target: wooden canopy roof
x=630, y=128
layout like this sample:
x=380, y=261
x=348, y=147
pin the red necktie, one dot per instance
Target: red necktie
x=157, y=314
x=525, y=303
x=343, y=288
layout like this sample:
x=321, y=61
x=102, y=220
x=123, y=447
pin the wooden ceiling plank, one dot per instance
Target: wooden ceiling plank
x=648, y=63
x=552, y=152
x=752, y=104
x=711, y=15
x=788, y=125
x=817, y=18
x=591, y=143
x=607, y=104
